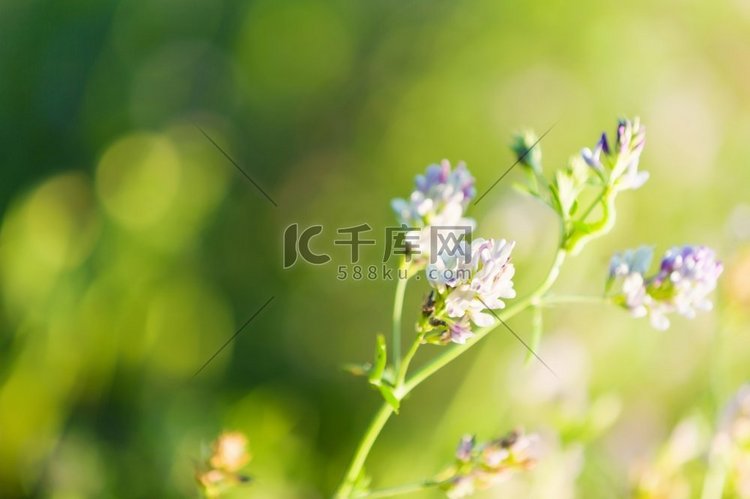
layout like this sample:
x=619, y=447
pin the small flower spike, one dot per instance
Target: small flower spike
x=467, y=282
x=440, y=198
x=686, y=276
x=480, y=466
x=619, y=165
x=612, y=166
x=220, y=473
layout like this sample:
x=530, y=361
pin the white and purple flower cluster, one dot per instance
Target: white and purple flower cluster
x=480, y=466
x=440, y=198
x=467, y=277
x=475, y=278
x=619, y=166
x=686, y=276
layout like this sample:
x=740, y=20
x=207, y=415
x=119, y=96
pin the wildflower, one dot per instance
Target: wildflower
x=619, y=165
x=731, y=444
x=458, y=331
x=480, y=466
x=465, y=448
x=220, y=471
x=687, y=275
x=474, y=279
x=667, y=474
x=230, y=452
x=631, y=261
x=440, y=198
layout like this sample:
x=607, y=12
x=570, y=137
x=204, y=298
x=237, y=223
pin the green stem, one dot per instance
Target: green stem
x=575, y=241
x=451, y=353
x=537, y=326
x=358, y=462
x=593, y=205
x=398, y=306
x=437, y=363
x=401, y=376
x=402, y=489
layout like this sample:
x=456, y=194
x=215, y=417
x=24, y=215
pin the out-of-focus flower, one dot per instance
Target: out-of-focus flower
x=465, y=448
x=737, y=283
x=439, y=200
x=687, y=275
x=219, y=473
x=480, y=466
x=468, y=282
x=666, y=474
x=731, y=444
x=230, y=452
x=619, y=165
x=631, y=261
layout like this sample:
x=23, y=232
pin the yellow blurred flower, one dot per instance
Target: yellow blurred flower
x=230, y=452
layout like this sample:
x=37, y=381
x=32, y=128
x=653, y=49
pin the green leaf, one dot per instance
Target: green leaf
x=378, y=366
x=390, y=397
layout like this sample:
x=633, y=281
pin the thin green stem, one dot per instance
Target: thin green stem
x=575, y=241
x=363, y=450
x=398, y=306
x=437, y=363
x=451, y=353
x=401, y=375
x=537, y=327
x=402, y=489
x=593, y=205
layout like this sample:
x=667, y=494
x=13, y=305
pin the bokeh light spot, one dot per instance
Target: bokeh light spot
x=137, y=179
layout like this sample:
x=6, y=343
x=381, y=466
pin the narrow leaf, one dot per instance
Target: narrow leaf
x=378, y=366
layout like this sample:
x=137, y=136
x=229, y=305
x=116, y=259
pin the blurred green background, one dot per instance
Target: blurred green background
x=131, y=249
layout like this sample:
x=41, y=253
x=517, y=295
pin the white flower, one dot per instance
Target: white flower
x=476, y=281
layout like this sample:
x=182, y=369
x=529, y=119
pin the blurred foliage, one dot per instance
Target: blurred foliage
x=131, y=249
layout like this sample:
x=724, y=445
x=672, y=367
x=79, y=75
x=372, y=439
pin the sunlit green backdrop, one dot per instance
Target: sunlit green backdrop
x=131, y=249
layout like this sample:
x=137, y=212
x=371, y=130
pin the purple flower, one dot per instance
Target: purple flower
x=619, y=166
x=687, y=275
x=465, y=448
x=479, y=467
x=439, y=200
x=441, y=194
x=458, y=331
